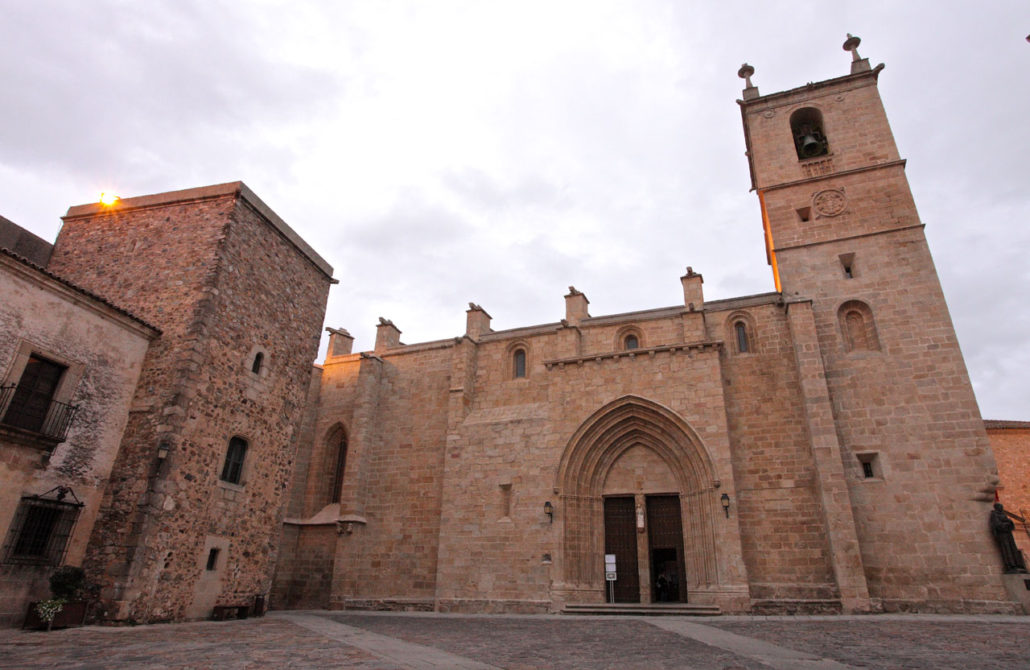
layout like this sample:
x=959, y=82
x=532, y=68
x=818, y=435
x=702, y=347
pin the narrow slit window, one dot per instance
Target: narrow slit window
x=870, y=465
x=740, y=330
x=519, y=364
x=212, y=559
x=505, y=501
x=847, y=263
x=341, y=466
x=259, y=360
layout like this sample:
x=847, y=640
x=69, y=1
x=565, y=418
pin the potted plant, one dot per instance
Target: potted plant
x=68, y=604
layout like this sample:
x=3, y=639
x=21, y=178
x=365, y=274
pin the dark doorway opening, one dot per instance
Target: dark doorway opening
x=665, y=540
x=620, y=538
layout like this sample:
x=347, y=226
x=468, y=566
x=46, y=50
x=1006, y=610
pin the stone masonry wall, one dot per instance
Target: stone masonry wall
x=399, y=466
x=104, y=352
x=782, y=521
x=847, y=236
x=910, y=403
x=223, y=284
x=160, y=263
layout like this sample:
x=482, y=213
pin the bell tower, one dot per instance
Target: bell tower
x=845, y=241
x=826, y=169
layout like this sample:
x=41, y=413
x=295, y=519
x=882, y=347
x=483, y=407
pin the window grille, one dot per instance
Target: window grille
x=41, y=527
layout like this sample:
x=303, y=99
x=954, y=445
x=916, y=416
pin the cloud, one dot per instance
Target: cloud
x=437, y=153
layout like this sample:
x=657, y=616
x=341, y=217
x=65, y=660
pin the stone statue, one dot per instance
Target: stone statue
x=1001, y=528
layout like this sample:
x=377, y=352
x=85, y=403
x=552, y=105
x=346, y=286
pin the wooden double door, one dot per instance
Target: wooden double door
x=652, y=534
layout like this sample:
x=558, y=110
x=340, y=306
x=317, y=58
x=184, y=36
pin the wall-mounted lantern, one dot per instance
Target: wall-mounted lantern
x=549, y=511
x=725, y=504
x=162, y=450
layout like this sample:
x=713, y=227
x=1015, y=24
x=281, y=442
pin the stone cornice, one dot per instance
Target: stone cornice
x=708, y=345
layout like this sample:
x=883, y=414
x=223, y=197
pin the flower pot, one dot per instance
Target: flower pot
x=73, y=613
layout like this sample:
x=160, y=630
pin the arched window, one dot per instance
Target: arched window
x=857, y=327
x=518, y=364
x=259, y=359
x=809, y=139
x=740, y=332
x=740, y=337
x=630, y=342
x=340, y=440
x=232, y=470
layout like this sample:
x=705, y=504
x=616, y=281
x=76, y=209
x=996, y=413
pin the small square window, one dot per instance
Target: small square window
x=804, y=213
x=870, y=464
x=847, y=264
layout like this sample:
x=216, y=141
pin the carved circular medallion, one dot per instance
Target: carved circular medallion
x=769, y=113
x=830, y=202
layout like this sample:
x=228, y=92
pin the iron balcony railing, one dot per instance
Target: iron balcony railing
x=35, y=413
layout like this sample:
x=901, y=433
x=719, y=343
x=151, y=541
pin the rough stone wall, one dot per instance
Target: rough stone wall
x=223, y=284
x=1010, y=442
x=104, y=352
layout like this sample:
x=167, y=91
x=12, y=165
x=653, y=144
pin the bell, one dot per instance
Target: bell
x=810, y=146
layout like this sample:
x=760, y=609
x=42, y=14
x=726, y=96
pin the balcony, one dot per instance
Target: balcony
x=35, y=415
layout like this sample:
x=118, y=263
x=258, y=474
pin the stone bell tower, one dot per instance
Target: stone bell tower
x=844, y=240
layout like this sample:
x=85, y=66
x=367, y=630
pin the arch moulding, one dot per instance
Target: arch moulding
x=622, y=424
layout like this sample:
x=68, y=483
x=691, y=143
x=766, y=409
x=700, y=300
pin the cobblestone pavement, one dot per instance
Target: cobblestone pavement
x=392, y=641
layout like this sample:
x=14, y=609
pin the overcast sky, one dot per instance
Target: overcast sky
x=437, y=153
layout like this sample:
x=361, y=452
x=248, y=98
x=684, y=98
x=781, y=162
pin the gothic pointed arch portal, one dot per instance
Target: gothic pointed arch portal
x=632, y=422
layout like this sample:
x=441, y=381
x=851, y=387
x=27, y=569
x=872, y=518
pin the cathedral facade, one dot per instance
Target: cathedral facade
x=816, y=448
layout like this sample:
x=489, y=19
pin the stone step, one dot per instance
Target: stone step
x=655, y=609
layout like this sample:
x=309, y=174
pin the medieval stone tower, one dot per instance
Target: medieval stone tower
x=886, y=391
x=190, y=518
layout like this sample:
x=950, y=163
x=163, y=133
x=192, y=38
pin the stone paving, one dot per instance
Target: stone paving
x=393, y=641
